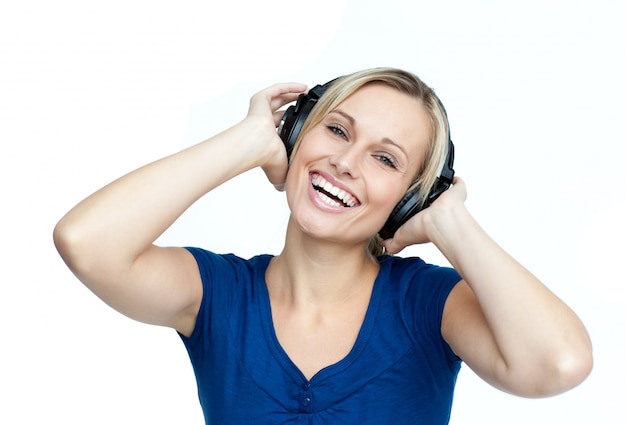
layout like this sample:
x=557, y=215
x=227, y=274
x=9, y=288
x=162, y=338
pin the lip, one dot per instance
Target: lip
x=314, y=195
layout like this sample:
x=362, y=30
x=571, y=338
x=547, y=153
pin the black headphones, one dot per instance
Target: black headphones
x=292, y=122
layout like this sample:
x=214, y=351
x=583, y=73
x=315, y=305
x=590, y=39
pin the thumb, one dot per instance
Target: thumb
x=410, y=233
x=393, y=245
x=277, y=175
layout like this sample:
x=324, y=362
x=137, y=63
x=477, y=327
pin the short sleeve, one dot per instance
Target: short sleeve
x=219, y=274
x=425, y=289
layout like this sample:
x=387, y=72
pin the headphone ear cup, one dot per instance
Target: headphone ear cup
x=293, y=120
x=286, y=129
x=295, y=116
x=410, y=205
x=406, y=208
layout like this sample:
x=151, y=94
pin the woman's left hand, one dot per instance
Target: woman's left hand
x=418, y=229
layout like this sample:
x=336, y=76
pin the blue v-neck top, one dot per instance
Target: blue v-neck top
x=399, y=371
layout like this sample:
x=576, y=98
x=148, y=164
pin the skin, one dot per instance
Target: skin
x=317, y=319
x=504, y=323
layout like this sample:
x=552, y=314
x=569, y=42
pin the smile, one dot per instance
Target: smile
x=332, y=195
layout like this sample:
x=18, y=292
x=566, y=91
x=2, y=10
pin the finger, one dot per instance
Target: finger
x=392, y=246
x=459, y=188
x=278, y=116
x=395, y=244
x=284, y=93
x=275, y=97
x=279, y=89
x=283, y=99
x=290, y=87
x=457, y=180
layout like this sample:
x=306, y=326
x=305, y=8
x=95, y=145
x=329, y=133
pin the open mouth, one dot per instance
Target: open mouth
x=333, y=195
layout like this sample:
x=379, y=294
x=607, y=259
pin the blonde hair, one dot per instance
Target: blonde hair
x=407, y=83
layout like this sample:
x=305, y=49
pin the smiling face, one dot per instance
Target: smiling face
x=354, y=166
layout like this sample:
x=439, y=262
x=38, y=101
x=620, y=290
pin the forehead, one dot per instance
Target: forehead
x=382, y=111
x=382, y=99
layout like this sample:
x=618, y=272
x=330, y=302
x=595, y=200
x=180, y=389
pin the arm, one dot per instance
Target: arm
x=501, y=320
x=107, y=239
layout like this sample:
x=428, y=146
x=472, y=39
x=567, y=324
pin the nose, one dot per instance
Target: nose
x=346, y=161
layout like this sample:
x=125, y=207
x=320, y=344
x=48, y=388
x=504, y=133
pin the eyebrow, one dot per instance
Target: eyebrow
x=352, y=121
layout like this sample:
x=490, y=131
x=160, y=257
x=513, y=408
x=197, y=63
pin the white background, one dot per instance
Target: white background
x=535, y=92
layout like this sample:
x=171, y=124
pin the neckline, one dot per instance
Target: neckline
x=281, y=355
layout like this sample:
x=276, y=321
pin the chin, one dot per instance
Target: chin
x=331, y=233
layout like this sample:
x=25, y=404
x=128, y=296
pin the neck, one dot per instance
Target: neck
x=320, y=272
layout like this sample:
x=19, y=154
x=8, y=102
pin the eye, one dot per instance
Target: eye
x=387, y=160
x=337, y=131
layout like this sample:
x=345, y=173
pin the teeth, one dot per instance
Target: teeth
x=329, y=201
x=319, y=182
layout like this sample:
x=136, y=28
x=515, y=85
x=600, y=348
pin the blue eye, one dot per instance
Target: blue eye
x=338, y=131
x=387, y=160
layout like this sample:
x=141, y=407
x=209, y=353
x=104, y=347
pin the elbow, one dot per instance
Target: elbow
x=564, y=373
x=70, y=245
x=65, y=242
x=90, y=252
x=574, y=362
x=552, y=374
x=573, y=369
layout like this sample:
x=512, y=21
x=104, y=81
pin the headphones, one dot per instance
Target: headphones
x=292, y=122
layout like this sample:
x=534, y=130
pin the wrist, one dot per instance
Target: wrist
x=260, y=141
x=448, y=225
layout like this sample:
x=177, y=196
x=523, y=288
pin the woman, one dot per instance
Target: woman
x=330, y=330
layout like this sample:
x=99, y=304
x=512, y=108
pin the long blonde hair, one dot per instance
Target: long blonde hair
x=407, y=83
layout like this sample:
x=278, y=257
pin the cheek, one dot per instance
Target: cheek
x=292, y=185
x=297, y=179
x=384, y=195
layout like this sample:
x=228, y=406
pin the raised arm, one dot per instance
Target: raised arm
x=501, y=320
x=107, y=240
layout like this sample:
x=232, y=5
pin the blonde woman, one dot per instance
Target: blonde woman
x=334, y=329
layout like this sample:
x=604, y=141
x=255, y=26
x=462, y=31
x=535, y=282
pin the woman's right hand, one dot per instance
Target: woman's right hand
x=265, y=112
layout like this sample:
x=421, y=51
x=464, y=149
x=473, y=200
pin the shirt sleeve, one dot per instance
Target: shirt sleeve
x=426, y=288
x=219, y=274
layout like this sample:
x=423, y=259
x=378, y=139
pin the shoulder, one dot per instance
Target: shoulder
x=421, y=291
x=229, y=283
x=213, y=266
x=228, y=276
x=421, y=288
x=414, y=270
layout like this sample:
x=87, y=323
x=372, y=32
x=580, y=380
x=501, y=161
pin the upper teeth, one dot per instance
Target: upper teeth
x=346, y=198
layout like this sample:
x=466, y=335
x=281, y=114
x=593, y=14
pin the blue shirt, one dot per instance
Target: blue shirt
x=399, y=371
